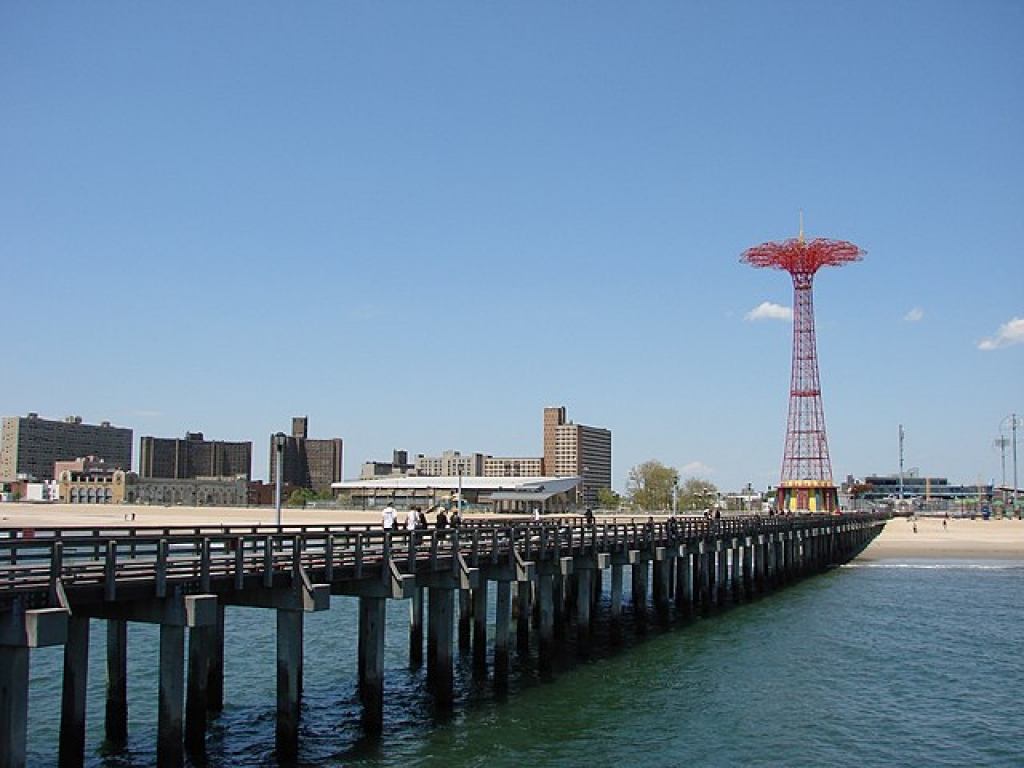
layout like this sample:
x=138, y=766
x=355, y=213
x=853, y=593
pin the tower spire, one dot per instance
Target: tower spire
x=807, y=482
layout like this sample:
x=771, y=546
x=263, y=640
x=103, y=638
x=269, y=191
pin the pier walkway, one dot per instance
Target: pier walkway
x=543, y=578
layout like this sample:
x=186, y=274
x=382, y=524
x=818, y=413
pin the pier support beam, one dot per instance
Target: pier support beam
x=546, y=624
x=116, y=709
x=289, y=682
x=13, y=706
x=202, y=651
x=662, y=568
x=465, y=619
x=171, y=697
x=721, y=573
x=480, y=628
x=215, y=673
x=72, y=704
x=616, y=593
x=523, y=611
x=372, y=620
x=174, y=614
x=21, y=631
x=584, y=585
x=440, y=675
x=748, y=567
x=641, y=578
x=416, y=628
x=502, y=619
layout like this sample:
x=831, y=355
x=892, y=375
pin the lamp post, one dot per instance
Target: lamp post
x=458, y=497
x=1014, y=421
x=279, y=454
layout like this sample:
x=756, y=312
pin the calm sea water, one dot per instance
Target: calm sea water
x=884, y=663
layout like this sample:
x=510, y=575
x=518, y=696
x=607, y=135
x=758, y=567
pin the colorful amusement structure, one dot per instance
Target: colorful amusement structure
x=806, y=482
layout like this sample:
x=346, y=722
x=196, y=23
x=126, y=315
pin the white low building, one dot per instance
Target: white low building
x=494, y=494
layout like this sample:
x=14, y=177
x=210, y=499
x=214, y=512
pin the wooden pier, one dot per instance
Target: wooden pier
x=547, y=576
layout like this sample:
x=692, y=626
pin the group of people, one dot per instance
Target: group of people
x=416, y=518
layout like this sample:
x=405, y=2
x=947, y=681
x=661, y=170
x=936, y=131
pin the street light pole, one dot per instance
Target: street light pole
x=279, y=452
x=1014, y=420
x=901, y=462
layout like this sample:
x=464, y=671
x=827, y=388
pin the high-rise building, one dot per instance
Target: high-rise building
x=30, y=445
x=192, y=457
x=307, y=463
x=577, y=450
x=450, y=464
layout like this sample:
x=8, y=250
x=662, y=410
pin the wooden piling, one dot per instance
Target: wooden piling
x=116, y=709
x=72, y=706
x=372, y=620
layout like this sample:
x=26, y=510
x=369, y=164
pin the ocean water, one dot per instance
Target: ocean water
x=873, y=664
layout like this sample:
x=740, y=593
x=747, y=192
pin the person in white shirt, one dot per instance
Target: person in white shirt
x=388, y=517
x=411, y=520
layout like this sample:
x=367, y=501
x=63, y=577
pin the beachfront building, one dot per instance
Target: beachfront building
x=912, y=486
x=183, y=459
x=30, y=446
x=306, y=462
x=91, y=480
x=514, y=466
x=450, y=463
x=572, y=450
x=399, y=465
x=548, y=495
x=190, y=492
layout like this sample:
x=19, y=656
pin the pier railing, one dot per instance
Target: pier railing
x=102, y=562
x=53, y=582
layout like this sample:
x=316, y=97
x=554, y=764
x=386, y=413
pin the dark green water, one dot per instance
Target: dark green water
x=914, y=663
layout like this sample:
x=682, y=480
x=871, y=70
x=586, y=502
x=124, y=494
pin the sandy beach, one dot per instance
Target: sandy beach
x=26, y=515
x=961, y=538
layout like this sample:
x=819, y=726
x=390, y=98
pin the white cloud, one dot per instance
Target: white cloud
x=766, y=310
x=697, y=469
x=1008, y=334
x=914, y=315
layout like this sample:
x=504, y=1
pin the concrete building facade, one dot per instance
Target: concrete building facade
x=182, y=459
x=577, y=450
x=30, y=446
x=307, y=463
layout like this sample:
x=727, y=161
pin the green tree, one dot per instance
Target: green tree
x=697, y=493
x=300, y=496
x=608, y=499
x=650, y=485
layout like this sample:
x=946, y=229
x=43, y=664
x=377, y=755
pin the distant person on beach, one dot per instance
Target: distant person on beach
x=388, y=516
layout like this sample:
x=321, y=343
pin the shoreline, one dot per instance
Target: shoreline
x=961, y=539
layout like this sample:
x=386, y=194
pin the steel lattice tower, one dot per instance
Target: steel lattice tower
x=806, y=482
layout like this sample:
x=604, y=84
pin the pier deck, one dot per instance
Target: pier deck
x=53, y=582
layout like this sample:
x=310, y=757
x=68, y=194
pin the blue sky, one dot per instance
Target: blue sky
x=420, y=223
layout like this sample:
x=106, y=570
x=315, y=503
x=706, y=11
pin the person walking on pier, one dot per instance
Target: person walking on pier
x=388, y=516
x=442, y=518
x=412, y=520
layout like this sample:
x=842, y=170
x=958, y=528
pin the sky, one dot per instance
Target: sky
x=419, y=224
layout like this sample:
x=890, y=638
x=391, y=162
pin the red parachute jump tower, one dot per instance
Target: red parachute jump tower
x=806, y=483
